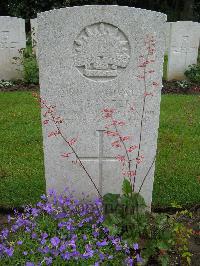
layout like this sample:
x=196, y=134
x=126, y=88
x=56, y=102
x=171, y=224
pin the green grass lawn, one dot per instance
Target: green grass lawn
x=21, y=157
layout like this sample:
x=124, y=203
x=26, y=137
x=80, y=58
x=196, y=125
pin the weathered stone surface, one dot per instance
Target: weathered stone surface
x=12, y=39
x=34, y=34
x=90, y=59
x=183, y=51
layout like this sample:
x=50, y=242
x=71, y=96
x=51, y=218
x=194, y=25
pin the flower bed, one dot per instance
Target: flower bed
x=60, y=230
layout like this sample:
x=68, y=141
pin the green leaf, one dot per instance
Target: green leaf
x=115, y=219
x=127, y=187
x=162, y=245
x=164, y=260
x=111, y=199
x=114, y=230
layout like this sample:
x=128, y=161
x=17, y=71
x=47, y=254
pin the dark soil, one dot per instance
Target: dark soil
x=175, y=87
x=20, y=86
x=3, y=220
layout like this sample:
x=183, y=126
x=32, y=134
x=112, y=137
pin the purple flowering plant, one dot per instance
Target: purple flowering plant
x=61, y=230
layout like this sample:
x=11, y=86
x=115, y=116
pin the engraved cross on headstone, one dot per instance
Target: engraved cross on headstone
x=100, y=158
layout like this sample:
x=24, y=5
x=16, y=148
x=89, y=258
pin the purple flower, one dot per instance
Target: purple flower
x=27, y=230
x=95, y=233
x=45, y=250
x=55, y=241
x=84, y=237
x=44, y=235
x=135, y=246
x=66, y=256
x=4, y=233
x=61, y=215
x=60, y=200
x=34, y=235
x=62, y=247
x=75, y=254
x=88, y=254
x=106, y=230
x=43, y=197
x=138, y=258
x=25, y=253
x=30, y=264
x=98, y=202
x=9, y=251
x=9, y=218
x=48, y=208
x=101, y=244
x=101, y=256
x=54, y=252
x=35, y=212
x=118, y=247
x=52, y=192
x=43, y=241
x=19, y=242
x=72, y=244
x=48, y=260
x=129, y=261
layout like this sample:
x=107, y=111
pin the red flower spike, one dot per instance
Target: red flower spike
x=131, y=173
x=45, y=122
x=139, y=159
x=118, y=123
x=54, y=133
x=124, y=138
x=107, y=113
x=120, y=158
x=66, y=155
x=58, y=120
x=111, y=133
x=116, y=144
x=132, y=148
x=72, y=141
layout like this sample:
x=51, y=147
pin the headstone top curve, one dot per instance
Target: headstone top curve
x=138, y=10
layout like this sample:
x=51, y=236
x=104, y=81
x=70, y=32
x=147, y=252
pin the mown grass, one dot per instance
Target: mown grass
x=177, y=175
x=21, y=156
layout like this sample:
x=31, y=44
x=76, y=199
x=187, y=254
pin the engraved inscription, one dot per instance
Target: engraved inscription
x=4, y=36
x=101, y=51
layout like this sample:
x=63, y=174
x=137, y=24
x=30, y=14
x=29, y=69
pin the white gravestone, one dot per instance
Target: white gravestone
x=183, y=51
x=34, y=34
x=167, y=37
x=12, y=39
x=90, y=60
